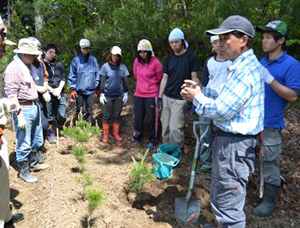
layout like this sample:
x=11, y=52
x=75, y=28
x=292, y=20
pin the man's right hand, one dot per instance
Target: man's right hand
x=21, y=121
x=159, y=103
x=73, y=94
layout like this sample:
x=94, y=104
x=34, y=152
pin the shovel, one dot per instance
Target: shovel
x=187, y=209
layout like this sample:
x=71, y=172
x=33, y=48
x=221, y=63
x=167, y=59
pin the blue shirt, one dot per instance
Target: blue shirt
x=114, y=78
x=239, y=106
x=286, y=70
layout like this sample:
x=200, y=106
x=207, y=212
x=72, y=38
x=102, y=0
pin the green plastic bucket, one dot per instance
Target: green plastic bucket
x=163, y=165
x=170, y=149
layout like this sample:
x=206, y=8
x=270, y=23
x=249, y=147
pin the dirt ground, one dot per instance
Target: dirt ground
x=56, y=200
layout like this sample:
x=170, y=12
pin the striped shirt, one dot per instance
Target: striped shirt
x=14, y=84
x=239, y=107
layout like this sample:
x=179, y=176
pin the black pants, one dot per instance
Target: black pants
x=88, y=100
x=145, y=107
x=112, y=108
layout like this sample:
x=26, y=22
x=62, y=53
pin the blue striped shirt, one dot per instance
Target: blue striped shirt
x=239, y=107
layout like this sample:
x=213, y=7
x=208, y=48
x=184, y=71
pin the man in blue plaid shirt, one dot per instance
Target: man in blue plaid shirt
x=237, y=112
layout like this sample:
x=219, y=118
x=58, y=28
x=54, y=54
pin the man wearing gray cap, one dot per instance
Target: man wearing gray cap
x=237, y=111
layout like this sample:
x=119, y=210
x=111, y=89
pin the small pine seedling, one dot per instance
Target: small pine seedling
x=95, y=198
x=79, y=153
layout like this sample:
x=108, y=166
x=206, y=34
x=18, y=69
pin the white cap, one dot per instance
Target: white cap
x=214, y=38
x=84, y=43
x=27, y=46
x=115, y=50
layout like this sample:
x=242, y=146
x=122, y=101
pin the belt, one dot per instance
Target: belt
x=219, y=132
x=27, y=102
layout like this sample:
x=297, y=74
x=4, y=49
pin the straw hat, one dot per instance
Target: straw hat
x=27, y=46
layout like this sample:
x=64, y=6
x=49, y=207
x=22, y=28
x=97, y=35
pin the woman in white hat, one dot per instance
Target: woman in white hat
x=114, y=92
x=148, y=72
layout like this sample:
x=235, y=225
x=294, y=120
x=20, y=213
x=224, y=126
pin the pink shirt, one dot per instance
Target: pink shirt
x=148, y=77
x=15, y=84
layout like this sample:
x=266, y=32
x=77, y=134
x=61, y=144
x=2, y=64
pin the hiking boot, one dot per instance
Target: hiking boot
x=37, y=167
x=24, y=172
x=116, y=130
x=15, y=218
x=105, y=133
x=268, y=205
x=51, y=137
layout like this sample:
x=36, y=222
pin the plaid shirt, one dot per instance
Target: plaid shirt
x=239, y=108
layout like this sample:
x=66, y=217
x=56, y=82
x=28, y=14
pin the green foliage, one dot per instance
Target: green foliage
x=79, y=153
x=141, y=174
x=82, y=131
x=85, y=180
x=95, y=198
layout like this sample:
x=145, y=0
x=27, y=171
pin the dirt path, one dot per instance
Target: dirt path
x=56, y=200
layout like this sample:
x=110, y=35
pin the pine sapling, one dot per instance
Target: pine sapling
x=95, y=198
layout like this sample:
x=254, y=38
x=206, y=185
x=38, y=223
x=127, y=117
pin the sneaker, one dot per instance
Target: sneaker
x=51, y=137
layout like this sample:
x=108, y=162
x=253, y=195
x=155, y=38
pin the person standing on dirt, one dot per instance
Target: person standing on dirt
x=84, y=80
x=148, y=72
x=21, y=89
x=214, y=76
x=6, y=216
x=238, y=114
x=114, y=92
x=282, y=85
x=181, y=64
x=56, y=108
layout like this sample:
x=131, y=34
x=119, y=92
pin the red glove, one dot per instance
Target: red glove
x=97, y=92
x=73, y=94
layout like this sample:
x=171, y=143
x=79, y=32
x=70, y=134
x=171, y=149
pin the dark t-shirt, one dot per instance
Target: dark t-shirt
x=178, y=68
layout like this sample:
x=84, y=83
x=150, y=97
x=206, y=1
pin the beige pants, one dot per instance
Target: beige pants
x=5, y=212
x=172, y=119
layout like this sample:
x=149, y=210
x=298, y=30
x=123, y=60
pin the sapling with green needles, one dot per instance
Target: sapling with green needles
x=141, y=174
x=95, y=198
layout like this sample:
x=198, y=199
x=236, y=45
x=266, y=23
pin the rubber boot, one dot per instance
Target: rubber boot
x=35, y=165
x=105, y=127
x=24, y=172
x=116, y=129
x=268, y=205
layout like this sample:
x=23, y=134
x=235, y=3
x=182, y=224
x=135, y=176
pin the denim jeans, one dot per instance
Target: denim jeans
x=56, y=108
x=31, y=138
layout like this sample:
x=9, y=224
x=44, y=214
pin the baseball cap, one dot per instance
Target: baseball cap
x=115, y=50
x=84, y=43
x=274, y=26
x=214, y=38
x=233, y=23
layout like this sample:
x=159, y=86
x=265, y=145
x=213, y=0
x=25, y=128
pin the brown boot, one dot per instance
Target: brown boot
x=116, y=129
x=105, y=132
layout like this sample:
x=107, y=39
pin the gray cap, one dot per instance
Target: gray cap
x=233, y=23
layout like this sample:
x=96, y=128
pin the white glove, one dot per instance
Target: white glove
x=21, y=121
x=267, y=76
x=102, y=99
x=41, y=89
x=56, y=92
x=125, y=98
x=47, y=97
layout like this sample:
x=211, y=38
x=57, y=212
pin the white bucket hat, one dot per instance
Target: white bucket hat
x=115, y=50
x=84, y=43
x=27, y=46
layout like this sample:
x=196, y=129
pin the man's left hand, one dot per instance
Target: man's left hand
x=189, y=93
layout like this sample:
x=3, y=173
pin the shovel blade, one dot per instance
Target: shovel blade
x=187, y=211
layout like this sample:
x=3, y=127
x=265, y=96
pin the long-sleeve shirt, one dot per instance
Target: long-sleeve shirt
x=148, y=77
x=15, y=84
x=239, y=107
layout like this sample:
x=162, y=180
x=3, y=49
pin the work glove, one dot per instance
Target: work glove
x=125, y=98
x=47, y=96
x=56, y=92
x=41, y=89
x=267, y=76
x=97, y=92
x=21, y=121
x=73, y=94
x=102, y=99
x=159, y=103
